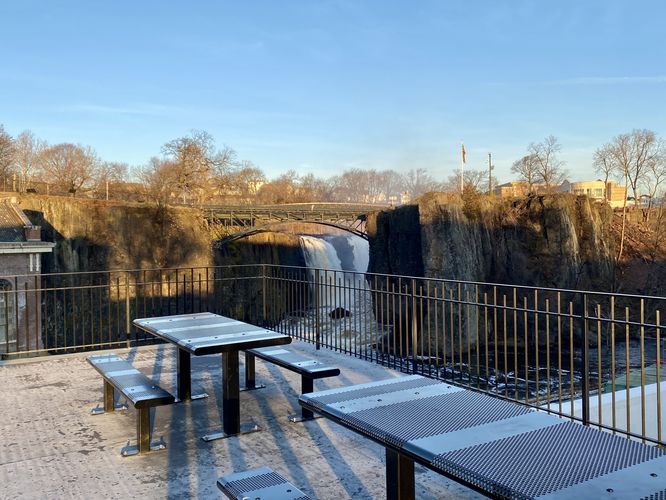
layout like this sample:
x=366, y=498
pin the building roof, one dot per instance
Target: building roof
x=12, y=222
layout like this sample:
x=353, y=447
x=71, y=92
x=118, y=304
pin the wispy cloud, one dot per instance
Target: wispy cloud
x=593, y=80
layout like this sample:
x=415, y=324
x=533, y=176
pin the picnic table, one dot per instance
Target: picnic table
x=500, y=448
x=207, y=333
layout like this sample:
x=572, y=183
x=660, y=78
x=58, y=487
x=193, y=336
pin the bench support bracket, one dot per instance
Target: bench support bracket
x=109, y=401
x=142, y=436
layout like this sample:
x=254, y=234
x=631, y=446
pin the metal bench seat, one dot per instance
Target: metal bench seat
x=259, y=484
x=118, y=374
x=309, y=369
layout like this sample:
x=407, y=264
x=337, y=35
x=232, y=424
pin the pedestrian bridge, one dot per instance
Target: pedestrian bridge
x=238, y=221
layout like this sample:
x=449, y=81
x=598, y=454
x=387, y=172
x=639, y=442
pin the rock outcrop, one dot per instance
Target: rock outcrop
x=558, y=241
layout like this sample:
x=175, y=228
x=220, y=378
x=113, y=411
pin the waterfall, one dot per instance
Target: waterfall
x=320, y=254
x=342, y=312
x=361, y=250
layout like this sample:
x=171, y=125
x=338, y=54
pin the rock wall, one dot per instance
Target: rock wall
x=258, y=300
x=92, y=235
x=552, y=241
x=558, y=241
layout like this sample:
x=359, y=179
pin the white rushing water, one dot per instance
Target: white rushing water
x=338, y=264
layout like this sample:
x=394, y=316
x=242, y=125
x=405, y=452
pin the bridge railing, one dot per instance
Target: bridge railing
x=591, y=356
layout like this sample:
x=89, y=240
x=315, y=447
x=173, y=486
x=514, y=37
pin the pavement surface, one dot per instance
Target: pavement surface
x=52, y=447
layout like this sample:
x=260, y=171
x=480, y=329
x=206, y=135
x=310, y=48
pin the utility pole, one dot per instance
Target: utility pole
x=490, y=174
x=463, y=158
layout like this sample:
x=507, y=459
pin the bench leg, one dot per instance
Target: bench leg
x=143, y=429
x=109, y=401
x=109, y=397
x=307, y=385
x=399, y=476
x=143, y=444
x=250, y=374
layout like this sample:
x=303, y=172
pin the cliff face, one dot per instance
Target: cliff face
x=554, y=241
x=548, y=241
x=96, y=236
x=262, y=301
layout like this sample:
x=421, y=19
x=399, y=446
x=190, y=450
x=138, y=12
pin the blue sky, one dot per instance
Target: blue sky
x=321, y=86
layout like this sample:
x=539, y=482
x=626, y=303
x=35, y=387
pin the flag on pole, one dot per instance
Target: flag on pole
x=463, y=152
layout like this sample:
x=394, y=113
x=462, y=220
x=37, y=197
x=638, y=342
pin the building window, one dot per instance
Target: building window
x=6, y=311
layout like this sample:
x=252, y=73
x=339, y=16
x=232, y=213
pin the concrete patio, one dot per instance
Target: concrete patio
x=52, y=447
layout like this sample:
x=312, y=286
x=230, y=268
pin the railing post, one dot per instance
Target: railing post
x=414, y=326
x=263, y=294
x=585, y=383
x=127, y=308
x=317, y=312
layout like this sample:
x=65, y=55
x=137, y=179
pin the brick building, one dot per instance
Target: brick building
x=21, y=250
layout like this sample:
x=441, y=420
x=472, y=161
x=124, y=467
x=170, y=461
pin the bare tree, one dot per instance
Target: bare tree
x=604, y=164
x=194, y=159
x=654, y=180
x=28, y=151
x=419, y=181
x=108, y=175
x=472, y=179
x=225, y=167
x=549, y=168
x=157, y=178
x=317, y=189
x=7, y=151
x=526, y=168
x=392, y=184
x=247, y=179
x=69, y=167
x=634, y=155
x=284, y=189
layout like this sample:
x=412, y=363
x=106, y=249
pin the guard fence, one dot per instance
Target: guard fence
x=590, y=356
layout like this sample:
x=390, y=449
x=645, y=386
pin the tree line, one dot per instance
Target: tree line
x=193, y=170
x=635, y=159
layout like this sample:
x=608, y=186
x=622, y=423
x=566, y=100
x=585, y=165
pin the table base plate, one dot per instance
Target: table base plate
x=246, y=428
x=193, y=397
x=299, y=418
x=258, y=386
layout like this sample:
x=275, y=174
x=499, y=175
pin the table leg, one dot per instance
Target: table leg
x=184, y=371
x=184, y=376
x=231, y=425
x=230, y=393
x=399, y=476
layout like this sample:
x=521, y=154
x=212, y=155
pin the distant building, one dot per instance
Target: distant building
x=20, y=263
x=600, y=191
x=511, y=189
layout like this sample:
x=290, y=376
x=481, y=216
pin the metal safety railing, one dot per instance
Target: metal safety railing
x=591, y=356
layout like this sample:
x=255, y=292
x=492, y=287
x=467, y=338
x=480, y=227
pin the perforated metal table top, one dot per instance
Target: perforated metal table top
x=208, y=333
x=501, y=448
